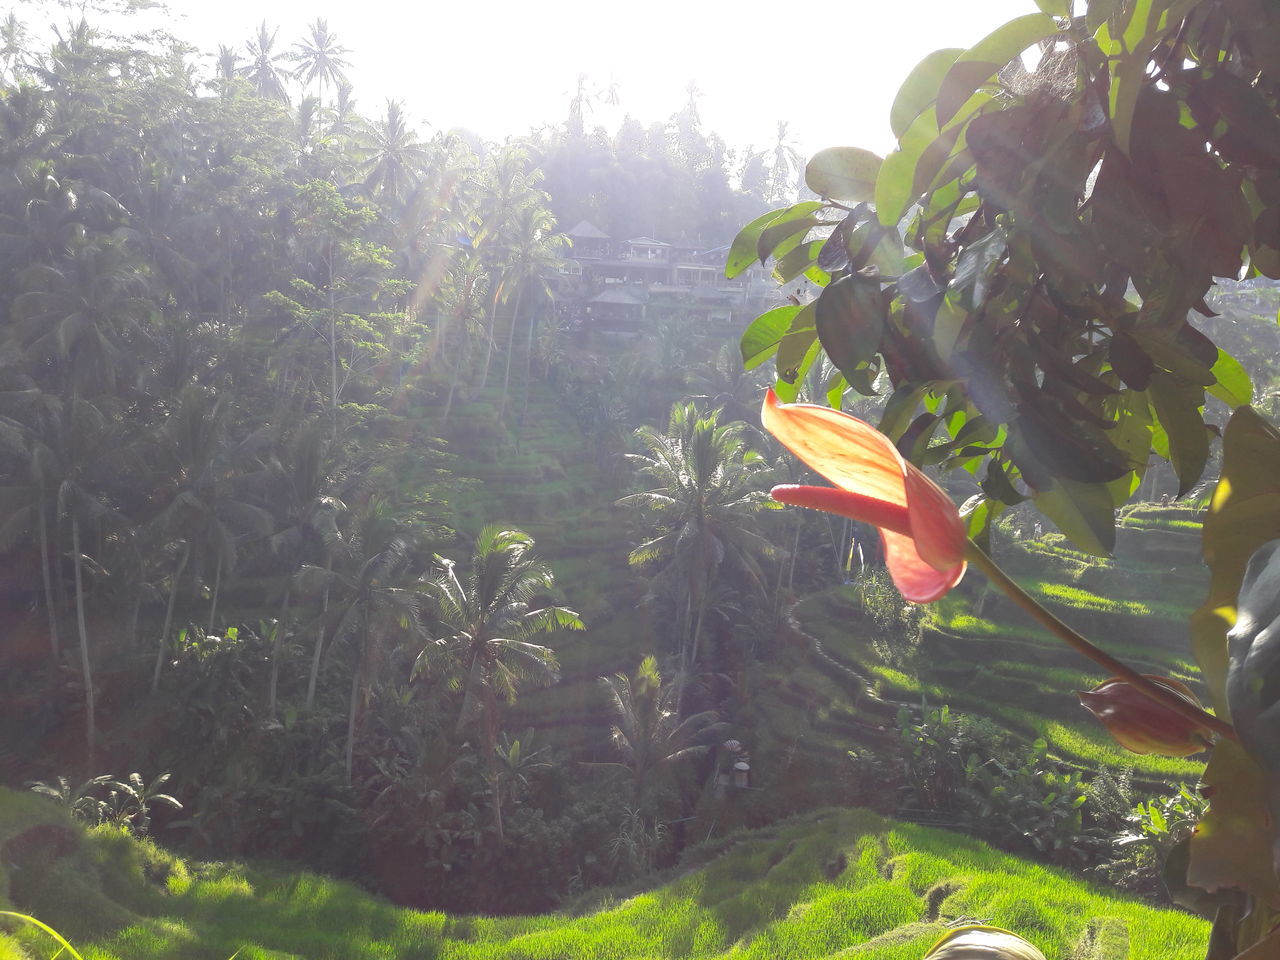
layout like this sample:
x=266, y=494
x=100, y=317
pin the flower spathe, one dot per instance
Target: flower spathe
x=981, y=942
x=1142, y=725
x=924, y=537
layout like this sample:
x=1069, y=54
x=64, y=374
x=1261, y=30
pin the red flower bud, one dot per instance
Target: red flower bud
x=1142, y=725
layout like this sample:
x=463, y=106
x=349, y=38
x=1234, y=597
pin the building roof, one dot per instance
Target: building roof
x=649, y=242
x=586, y=230
x=622, y=297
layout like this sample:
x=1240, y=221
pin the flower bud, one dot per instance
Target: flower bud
x=982, y=943
x=1142, y=725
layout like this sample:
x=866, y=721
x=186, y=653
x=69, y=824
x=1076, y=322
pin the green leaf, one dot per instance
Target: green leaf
x=1082, y=511
x=920, y=89
x=895, y=181
x=1233, y=386
x=843, y=174
x=978, y=513
x=794, y=222
x=1055, y=8
x=850, y=318
x=900, y=410
x=796, y=344
x=789, y=390
x=1243, y=515
x=981, y=62
x=1177, y=406
x=800, y=260
x=760, y=340
x=742, y=253
x=1231, y=846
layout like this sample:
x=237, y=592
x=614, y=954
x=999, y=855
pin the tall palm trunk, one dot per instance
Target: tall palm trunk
x=315, y=656
x=217, y=586
x=357, y=676
x=49, y=605
x=528, y=365
x=491, y=759
x=511, y=335
x=277, y=640
x=168, y=617
x=86, y=666
x=488, y=350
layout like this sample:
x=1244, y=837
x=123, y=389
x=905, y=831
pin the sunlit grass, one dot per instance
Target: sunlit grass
x=808, y=888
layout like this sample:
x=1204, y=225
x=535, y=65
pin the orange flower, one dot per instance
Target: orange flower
x=1142, y=725
x=924, y=537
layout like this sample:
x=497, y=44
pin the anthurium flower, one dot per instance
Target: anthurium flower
x=982, y=943
x=924, y=537
x=1142, y=725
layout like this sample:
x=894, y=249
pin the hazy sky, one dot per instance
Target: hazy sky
x=500, y=67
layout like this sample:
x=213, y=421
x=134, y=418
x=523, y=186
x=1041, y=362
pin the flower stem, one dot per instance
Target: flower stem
x=1162, y=695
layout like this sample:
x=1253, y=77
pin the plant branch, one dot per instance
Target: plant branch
x=1162, y=695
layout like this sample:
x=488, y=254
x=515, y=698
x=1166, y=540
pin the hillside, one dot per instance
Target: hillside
x=1135, y=605
x=841, y=882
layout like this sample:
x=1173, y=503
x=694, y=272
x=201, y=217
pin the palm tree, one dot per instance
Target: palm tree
x=377, y=601
x=394, y=156
x=647, y=729
x=709, y=490
x=485, y=622
x=320, y=59
x=263, y=70
x=534, y=254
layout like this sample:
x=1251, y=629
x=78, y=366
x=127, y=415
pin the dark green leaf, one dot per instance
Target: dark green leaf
x=850, y=318
x=1082, y=511
x=1177, y=406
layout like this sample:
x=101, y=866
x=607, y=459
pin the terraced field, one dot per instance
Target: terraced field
x=838, y=882
x=1135, y=606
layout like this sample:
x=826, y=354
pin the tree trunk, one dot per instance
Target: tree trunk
x=315, y=656
x=491, y=760
x=217, y=586
x=351, y=719
x=50, y=607
x=133, y=619
x=528, y=370
x=511, y=335
x=333, y=350
x=168, y=617
x=488, y=350
x=277, y=639
x=86, y=666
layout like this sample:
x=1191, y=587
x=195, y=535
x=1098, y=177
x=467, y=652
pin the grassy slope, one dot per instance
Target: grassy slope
x=843, y=881
x=1136, y=608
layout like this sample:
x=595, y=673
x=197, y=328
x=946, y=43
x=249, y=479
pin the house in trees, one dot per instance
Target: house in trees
x=626, y=285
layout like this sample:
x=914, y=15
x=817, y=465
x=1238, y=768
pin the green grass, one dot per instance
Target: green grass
x=844, y=881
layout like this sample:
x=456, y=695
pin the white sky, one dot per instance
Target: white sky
x=501, y=67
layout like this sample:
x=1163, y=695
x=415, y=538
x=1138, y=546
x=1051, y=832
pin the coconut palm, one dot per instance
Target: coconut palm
x=320, y=59
x=647, y=730
x=264, y=68
x=393, y=156
x=485, y=620
x=373, y=589
x=710, y=488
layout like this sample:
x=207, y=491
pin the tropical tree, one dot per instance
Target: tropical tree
x=374, y=590
x=264, y=69
x=648, y=732
x=702, y=514
x=320, y=59
x=393, y=156
x=485, y=620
